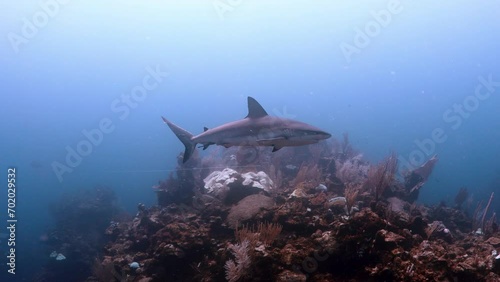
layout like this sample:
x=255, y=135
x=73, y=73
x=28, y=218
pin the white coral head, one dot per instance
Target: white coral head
x=60, y=257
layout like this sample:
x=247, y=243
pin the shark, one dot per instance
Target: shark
x=258, y=128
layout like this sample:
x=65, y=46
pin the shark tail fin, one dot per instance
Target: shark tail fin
x=185, y=137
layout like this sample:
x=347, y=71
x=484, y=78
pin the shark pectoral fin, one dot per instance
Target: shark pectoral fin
x=205, y=145
x=276, y=148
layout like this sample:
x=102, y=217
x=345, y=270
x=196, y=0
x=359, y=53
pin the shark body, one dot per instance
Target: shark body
x=256, y=129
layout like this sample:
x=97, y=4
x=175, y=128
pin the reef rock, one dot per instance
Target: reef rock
x=494, y=241
x=388, y=239
x=399, y=210
x=248, y=208
x=291, y=276
x=437, y=230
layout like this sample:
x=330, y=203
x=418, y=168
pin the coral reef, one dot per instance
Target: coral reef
x=311, y=213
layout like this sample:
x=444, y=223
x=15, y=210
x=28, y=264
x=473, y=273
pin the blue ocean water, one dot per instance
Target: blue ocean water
x=84, y=85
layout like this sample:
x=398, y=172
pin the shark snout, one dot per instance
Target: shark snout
x=321, y=135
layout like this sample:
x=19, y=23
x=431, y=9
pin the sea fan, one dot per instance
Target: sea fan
x=238, y=268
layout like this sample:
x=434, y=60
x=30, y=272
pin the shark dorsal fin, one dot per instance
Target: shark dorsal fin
x=205, y=129
x=255, y=110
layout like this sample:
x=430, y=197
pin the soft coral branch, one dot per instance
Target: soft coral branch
x=381, y=176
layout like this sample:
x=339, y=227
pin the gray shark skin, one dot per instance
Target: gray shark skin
x=256, y=129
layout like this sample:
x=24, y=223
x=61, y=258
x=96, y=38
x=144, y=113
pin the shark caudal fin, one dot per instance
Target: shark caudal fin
x=185, y=138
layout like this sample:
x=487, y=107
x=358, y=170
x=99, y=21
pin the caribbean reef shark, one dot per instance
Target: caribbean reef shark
x=256, y=129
